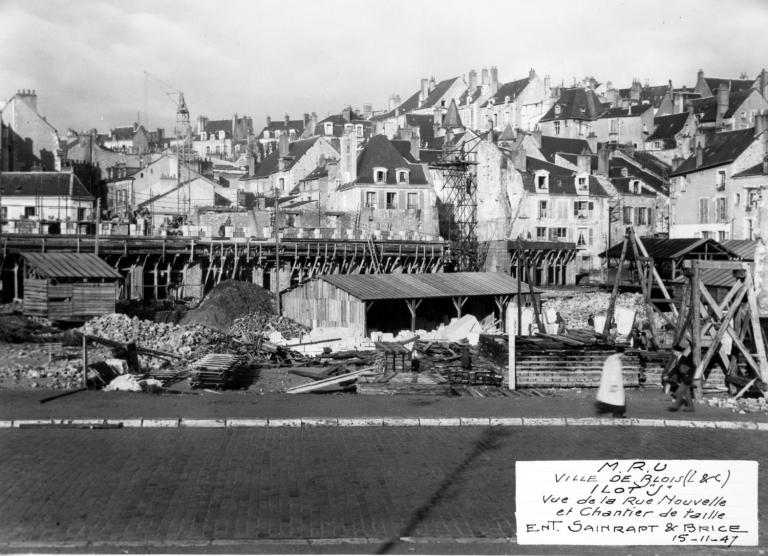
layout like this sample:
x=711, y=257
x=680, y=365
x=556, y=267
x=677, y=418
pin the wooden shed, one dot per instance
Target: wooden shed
x=391, y=302
x=68, y=286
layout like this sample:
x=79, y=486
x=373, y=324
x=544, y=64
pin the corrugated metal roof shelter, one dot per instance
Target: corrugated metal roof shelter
x=392, y=302
x=68, y=286
x=368, y=287
x=668, y=254
x=69, y=265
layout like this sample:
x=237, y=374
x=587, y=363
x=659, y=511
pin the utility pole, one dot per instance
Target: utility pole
x=277, y=253
x=98, y=225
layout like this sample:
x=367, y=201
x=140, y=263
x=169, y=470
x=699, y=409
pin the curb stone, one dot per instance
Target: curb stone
x=333, y=422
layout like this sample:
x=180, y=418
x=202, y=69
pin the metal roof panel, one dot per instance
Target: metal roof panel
x=70, y=265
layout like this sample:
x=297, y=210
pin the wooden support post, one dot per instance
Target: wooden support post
x=757, y=331
x=615, y=291
x=156, y=273
x=696, y=319
x=458, y=303
x=512, y=332
x=85, y=362
x=413, y=304
x=16, y=281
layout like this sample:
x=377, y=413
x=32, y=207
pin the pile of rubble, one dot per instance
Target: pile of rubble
x=576, y=308
x=229, y=301
x=187, y=341
x=256, y=323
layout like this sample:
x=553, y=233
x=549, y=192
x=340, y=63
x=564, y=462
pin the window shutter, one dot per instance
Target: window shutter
x=591, y=236
x=421, y=200
x=401, y=195
x=382, y=204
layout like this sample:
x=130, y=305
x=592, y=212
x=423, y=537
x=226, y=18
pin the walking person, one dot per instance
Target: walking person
x=684, y=371
x=610, y=395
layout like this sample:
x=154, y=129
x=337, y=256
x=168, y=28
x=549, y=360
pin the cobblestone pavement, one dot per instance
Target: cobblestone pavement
x=308, y=489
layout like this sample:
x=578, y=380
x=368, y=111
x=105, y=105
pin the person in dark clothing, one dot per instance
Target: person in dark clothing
x=684, y=370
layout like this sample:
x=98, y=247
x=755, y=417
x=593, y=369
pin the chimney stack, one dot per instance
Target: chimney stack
x=367, y=111
x=29, y=97
x=764, y=83
x=494, y=80
x=348, y=163
x=415, y=146
x=584, y=163
x=287, y=121
x=472, y=85
x=760, y=123
x=722, y=105
x=603, y=161
x=531, y=73
x=282, y=145
x=269, y=121
x=424, y=91
x=346, y=114
x=699, y=156
x=306, y=119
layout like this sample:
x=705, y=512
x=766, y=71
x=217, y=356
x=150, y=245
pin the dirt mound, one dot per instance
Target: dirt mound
x=228, y=301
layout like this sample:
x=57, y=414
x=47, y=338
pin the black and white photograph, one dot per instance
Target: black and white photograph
x=383, y=277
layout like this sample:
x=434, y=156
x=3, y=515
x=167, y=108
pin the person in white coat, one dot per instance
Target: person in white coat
x=610, y=394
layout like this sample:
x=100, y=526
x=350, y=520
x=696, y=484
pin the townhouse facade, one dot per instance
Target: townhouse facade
x=29, y=141
x=706, y=199
x=573, y=114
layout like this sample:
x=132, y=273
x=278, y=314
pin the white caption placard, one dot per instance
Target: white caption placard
x=637, y=502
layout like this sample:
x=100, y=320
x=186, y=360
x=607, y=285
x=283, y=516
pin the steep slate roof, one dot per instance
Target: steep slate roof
x=121, y=133
x=756, y=170
x=550, y=146
x=380, y=152
x=452, y=119
x=733, y=84
x=630, y=112
x=511, y=90
x=722, y=148
x=622, y=186
x=412, y=102
x=338, y=124
x=707, y=107
x=561, y=180
x=270, y=164
x=425, y=123
x=668, y=126
x=616, y=165
x=43, y=184
x=279, y=125
x=654, y=94
x=214, y=126
x=404, y=148
x=576, y=104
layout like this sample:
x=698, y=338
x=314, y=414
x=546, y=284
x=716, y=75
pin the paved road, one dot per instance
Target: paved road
x=307, y=490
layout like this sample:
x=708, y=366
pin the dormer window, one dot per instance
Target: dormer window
x=582, y=183
x=557, y=109
x=624, y=172
x=402, y=175
x=490, y=102
x=203, y=136
x=328, y=128
x=221, y=135
x=359, y=130
x=634, y=187
x=379, y=175
x=541, y=179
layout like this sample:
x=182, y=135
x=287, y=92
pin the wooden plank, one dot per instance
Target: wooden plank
x=320, y=384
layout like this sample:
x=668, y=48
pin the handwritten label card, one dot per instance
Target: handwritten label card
x=637, y=502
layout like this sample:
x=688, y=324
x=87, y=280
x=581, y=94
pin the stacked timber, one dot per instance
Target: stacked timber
x=218, y=371
x=422, y=384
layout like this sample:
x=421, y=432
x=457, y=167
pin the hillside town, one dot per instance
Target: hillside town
x=392, y=278
x=535, y=179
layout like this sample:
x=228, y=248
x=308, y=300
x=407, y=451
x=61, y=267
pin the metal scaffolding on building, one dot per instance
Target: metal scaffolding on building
x=460, y=184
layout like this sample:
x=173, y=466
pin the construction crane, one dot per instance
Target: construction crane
x=182, y=132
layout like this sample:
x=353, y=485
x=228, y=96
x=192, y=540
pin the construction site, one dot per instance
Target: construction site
x=365, y=316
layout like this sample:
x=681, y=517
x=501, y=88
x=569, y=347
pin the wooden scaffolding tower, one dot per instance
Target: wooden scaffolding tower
x=727, y=332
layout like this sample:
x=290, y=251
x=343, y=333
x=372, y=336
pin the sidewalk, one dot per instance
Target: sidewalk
x=649, y=406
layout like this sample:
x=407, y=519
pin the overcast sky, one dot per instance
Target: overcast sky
x=86, y=58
